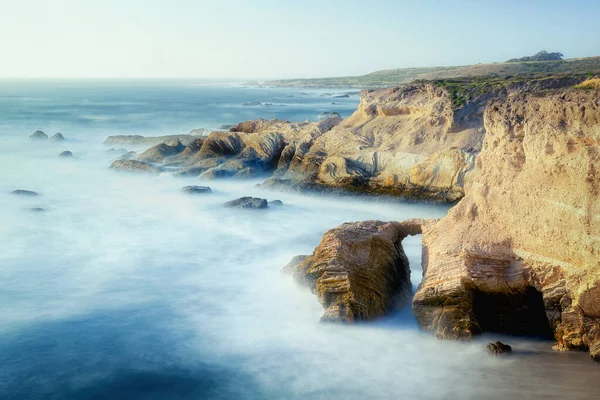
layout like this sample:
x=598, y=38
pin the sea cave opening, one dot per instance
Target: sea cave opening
x=519, y=313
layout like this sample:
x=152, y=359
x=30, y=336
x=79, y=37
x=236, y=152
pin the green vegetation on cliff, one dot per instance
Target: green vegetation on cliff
x=393, y=77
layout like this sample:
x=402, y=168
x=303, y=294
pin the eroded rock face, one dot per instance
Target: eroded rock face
x=135, y=166
x=162, y=152
x=520, y=252
x=359, y=270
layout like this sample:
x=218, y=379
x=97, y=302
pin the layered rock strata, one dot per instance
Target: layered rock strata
x=520, y=253
x=359, y=270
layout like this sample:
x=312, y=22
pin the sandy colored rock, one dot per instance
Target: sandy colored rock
x=162, y=152
x=135, y=166
x=359, y=270
x=520, y=253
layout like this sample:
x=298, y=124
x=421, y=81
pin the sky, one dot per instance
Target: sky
x=264, y=39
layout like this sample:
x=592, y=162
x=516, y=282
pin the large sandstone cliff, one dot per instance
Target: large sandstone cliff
x=520, y=253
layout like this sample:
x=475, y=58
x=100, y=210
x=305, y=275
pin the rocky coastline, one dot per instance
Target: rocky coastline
x=518, y=254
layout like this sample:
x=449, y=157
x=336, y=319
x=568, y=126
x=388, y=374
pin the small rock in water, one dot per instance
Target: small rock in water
x=37, y=209
x=498, y=348
x=66, y=153
x=276, y=203
x=193, y=189
x=22, y=192
x=57, y=137
x=247, y=202
x=252, y=104
x=38, y=135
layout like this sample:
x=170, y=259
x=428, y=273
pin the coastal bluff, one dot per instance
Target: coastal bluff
x=416, y=141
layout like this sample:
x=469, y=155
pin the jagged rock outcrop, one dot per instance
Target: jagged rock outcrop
x=135, y=166
x=417, y=141
x=162, y=152
x=359, y=270
x=520, y=253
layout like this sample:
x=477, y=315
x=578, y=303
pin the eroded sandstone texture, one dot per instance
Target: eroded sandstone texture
x=359, y=270
x=520, y=253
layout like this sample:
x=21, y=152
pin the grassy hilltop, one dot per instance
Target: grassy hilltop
x=511, y=68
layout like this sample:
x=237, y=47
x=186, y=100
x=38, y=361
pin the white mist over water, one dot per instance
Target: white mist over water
x=125, y=287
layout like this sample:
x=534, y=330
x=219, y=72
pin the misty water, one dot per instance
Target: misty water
x=125, y=287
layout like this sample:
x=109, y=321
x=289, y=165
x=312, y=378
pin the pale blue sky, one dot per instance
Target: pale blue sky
x=283, y=38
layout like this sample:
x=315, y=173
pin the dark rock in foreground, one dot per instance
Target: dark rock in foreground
x=135, y=166
x=21, y=192
x=193, y=189
x=57, y=137
x=247, y=202
x=38, y=135
x=498, y=348
x=66, y=153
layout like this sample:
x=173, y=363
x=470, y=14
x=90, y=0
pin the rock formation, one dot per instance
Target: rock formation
x=498, y=349
x=147, y=140
x=193, y=189
x=38, y=135
x=359, y=270
x=135, y=166
x=520, y=253
x=247, y=202
x=66, y=153
x=23, y=192
x=57, y=137
x=417, y=141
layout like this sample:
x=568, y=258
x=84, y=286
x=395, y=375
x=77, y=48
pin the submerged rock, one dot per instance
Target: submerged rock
x=276, y=203
x=66, y=153
x=37, y=209
x=38, y=135
x=135, y=166
x=359, y=271
x=57, y=137
x=247, y=202
x=252, y=104
x=193, y=189
x=498, y=348
x=22, y=192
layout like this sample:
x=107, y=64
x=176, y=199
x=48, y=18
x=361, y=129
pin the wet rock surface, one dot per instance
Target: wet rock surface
x=193, y=189
x=66, y=154
x=58, y=137
x=38, y=135
x=498, y=349
x=247, y=202
x=23, y=192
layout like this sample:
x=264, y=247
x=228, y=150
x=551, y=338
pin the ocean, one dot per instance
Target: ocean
x=123, y=287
